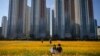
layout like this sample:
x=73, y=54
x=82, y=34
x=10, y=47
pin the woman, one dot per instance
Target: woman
x=53, y=50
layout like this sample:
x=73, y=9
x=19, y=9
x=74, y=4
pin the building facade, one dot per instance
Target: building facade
x=27, y=22
x=86, y=21
x=16, y=18
x=4, y=26
x=59, y=4
x=1, y=33
x=75, y=19
x=38, y=18
x=65, y=17
x=48, y=21
x=54, y=24
x=98, y=32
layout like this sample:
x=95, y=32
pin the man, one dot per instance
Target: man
x=59, y=48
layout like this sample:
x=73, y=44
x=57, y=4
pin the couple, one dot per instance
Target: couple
x=56, y=50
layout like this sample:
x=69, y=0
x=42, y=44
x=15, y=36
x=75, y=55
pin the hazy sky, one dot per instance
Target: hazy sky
x=50, y=3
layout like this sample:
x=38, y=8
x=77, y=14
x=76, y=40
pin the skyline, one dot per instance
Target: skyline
x=50, y=4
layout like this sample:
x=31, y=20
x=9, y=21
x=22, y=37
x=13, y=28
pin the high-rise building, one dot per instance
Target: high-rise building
x=4, y=26
x=75, y=19
x=27, y=22
x=69, y=14
x=60, y=17
x=96, y=26
x=64, y=17
x=48, y=21
x=16, y=18
x=1, y=33
x=98, y=32
x=84, y=16
x=38, y=19
x=54, y=26
x=53, y=23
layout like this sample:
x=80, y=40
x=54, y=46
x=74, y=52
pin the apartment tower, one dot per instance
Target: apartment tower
x=38, y=19
x=16, y=18
x=4, y=26
x=75, y=19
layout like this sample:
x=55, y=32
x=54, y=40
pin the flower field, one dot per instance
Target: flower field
x=36, y=48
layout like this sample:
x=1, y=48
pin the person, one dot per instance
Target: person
x=50, y=41
x=53, y=50
x=59, y=49
x=42, y=41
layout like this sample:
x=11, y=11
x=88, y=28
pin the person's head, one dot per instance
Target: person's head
x=54, y=46
x=59, y=44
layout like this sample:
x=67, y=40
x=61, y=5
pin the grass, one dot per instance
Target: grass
x=36, y=48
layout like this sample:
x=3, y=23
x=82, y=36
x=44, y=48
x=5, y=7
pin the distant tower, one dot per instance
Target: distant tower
x=91, y=20
x=4, y=26
x=54, y=22
x=27, y=22
x=60, y=18
x=75, y=19
x=69, y=14
x=16, y=18
x=38, y=19
x=65, y=18
x=96, y=26
x=48, y=21
x=85, y=19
